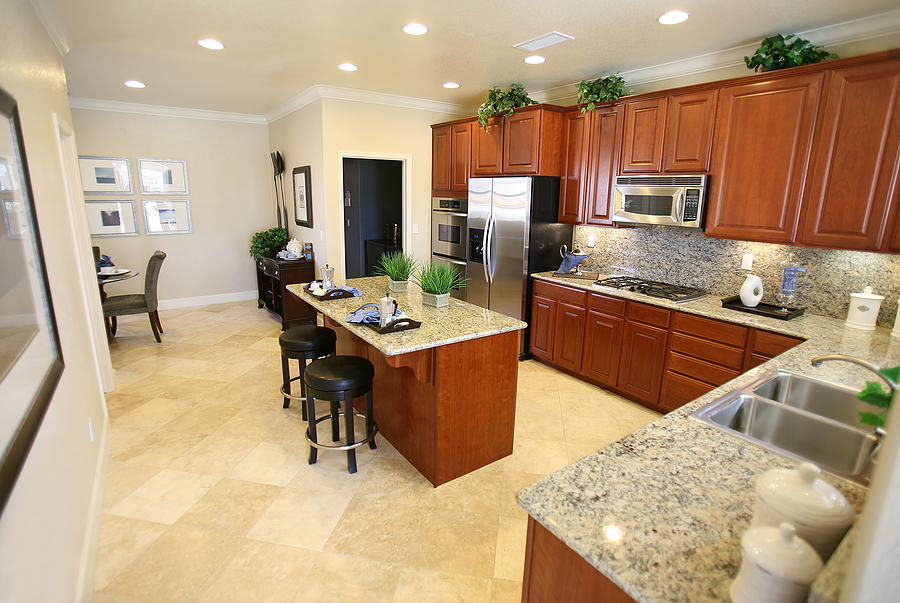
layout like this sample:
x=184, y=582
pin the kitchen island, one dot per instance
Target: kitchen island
x=444, y=393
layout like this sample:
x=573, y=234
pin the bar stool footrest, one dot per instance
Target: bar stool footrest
x=342, y=447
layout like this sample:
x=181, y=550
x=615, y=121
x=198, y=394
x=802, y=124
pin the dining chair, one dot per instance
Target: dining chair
x=138, y=303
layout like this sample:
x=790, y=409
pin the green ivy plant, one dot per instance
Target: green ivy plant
x=602, y=90
x=397, y=266
x=267, y=243
x=778, y=52
x=438, y=278
x=503, y=103
x=875, y=395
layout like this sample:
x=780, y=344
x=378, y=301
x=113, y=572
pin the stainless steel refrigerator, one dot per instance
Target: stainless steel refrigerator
x=513, y=232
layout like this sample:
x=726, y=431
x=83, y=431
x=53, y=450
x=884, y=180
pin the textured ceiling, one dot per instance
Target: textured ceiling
x=277, y=49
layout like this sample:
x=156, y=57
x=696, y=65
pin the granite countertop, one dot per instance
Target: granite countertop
x=680, y=491
x=440, y=326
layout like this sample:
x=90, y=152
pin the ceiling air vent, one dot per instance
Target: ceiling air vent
x=554, y=37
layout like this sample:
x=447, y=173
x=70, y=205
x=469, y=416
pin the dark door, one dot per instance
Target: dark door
x=373, y=200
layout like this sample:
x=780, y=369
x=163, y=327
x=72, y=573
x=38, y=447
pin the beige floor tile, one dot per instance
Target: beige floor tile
x=292, y=431
x=174, y=567
x=101, y=598
x=542, y=457
x=330, y=474
x=200, y=391
x=121, y=541
x=395, y=480
x=230, y=508
x=155, y=413
x=511, y=484
x=214, y=455
x=454, y=541
x=202, y=418
x=509, y=563
x=123, y=436
x=576, y=452
x=223, y=371
x=597, y=431
x=252, y=424
x=420, y=585
x=632, y=418
x=153, y=386
x=259, y=571
x=150, y=364
x=117, y=404
x=536, y=382
x=478, y=492
x=302, y=519
x=269, y=344
x=222, y=351
x=594, y=404
x=540, y=426
x=535, y=400
x=374, y=529
x=270, y=463
x=159, y=448
x=504, y=591
x=122, y=479
x=338, y=579
x=240, y=341
x=165, y=497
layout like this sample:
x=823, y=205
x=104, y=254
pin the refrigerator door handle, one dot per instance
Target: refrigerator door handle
x=486, y=251
x=491, y=249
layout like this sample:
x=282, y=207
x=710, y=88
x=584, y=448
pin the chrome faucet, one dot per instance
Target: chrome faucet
x=895, y=387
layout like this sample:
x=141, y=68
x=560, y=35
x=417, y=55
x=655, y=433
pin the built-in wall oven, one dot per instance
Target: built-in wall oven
x=449, y=237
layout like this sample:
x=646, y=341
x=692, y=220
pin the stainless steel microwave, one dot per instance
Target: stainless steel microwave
x=661, y=200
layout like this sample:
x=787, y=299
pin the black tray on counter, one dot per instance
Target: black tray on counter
x=400, y=324
x=734, y=303
x=331, y=294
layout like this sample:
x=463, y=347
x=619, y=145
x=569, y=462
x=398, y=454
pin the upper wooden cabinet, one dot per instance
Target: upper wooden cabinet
x=528, y=142
x=645, y=123
x=763, y=137
x=451, y=152
x=440, y=160
x=855, y=159
x=487, y=148
x=460, y=156
x=576, y=129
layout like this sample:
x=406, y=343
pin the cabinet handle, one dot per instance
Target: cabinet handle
x=276, y=273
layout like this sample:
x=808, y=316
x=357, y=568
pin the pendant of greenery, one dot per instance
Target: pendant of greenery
x=777, y=52
x=267, y=243
x=438, y=278
x=503, y=103
x=397, y=266
x=602, y=90
x=875, y=395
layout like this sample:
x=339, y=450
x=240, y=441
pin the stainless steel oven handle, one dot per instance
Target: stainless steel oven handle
x=450, y=213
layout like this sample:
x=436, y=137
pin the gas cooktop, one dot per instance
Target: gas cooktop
x=676, y=293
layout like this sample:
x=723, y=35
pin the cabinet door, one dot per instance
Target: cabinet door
x=569, y=337
x=522, y=143
x=487, y=148
x=852, y=172
x=460, y=157
x=440, y=160
x=645, y=123
x=643, y=361
x=603, y=160
x=689, y=131
x=602, y=347
x=543, y=326
x=762, y=144
x=576, y=128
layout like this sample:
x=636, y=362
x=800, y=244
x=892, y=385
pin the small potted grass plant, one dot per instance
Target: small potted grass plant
x=398, y=267
x=436, y=281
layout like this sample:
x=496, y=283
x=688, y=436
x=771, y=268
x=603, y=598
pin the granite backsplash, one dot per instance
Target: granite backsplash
x=686, y=257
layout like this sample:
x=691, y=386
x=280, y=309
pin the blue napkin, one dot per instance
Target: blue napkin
x=356, y=292
x=367, y=315
x=104, y=261
x=570, y=261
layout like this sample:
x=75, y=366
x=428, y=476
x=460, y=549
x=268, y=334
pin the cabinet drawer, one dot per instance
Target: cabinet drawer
x=678, y=390
x=708, y=328
x=607, y=304
x=560, y=293
x=772, y=344
x=700, y=370
x=652, y=315
x=708, y=350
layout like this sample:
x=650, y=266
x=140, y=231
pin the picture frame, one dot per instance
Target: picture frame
x=31, y=360
x=105, y=175
x=163, y=176
x=167, y=216
x=302, y=196
x=112, y=218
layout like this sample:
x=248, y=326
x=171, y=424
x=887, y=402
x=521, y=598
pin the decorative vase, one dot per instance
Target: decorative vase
x=398, y=286
x=751, y=291
x=436, y=301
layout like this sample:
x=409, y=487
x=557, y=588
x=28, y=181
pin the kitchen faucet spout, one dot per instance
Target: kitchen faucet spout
x=895, y=387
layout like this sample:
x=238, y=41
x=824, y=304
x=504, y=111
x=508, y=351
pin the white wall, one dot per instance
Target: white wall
x=54, y=510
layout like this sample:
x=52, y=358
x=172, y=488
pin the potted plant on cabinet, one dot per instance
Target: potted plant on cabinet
x=436, y=281
x=778, y=52
x=502, y=103
x=398, y=267
x=602, y=90
x=267, y=243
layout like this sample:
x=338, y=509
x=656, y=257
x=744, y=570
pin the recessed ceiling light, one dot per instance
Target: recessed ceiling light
x=415, y=29
x=535, y=59
x=347, y=67
x=451, y=85
x=134, y=84
x=211, y=44
x=674, y=16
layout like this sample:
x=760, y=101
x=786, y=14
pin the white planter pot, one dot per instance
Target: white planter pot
x=398, y=286
x=437, y=301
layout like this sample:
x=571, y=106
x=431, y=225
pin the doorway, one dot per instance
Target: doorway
x=373, y=212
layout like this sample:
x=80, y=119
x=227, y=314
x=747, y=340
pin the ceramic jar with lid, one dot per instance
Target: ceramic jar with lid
x=777, y=567
x=863, y=312
x=814, y=507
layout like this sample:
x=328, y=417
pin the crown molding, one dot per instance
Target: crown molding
x=47, y=13
x=161, y=111
x=857, y=30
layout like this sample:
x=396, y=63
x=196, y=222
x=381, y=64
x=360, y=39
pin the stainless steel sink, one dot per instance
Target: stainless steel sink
x=801, y=418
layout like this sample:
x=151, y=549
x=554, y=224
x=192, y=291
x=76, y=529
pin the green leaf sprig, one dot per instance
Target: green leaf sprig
x=875, y=395
x=777, y=52
x=397, y=266
x=602, y=90
x=438, y=278
x=503, y=103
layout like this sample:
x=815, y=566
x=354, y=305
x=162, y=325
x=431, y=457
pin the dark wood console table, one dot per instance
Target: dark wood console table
x=272, y=276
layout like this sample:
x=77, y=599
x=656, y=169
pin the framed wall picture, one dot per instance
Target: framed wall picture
x=302, y=197
x=113, y=218
x=105, y=175
x=30, y=354
x=167, y=216
x=163, y=176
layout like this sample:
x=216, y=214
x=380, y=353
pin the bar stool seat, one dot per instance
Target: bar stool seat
x=303, y=343
x=339, y=379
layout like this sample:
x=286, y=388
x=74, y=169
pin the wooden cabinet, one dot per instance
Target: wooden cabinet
x=603, y=335
x=762, y=144
x=569, y=337
x=487, y=148
x=603, y=160
x=642, y=149
x=643, y=352
x=543, y=325
x=528, y=142
x=576, y=130
x=689, y=131
x=557, y=324
x=451, y=151
x=460, y=156
x=854, y=167
x=765, y=345
x=272, y=279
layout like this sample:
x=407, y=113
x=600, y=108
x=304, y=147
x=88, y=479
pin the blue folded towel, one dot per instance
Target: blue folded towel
x=356, y=292
x=367, y=315
x=570, y=261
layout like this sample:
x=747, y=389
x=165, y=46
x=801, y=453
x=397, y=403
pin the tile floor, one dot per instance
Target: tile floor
x=209, y=496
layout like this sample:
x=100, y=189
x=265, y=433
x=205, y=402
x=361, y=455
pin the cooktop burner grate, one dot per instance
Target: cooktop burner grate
x=676, y=293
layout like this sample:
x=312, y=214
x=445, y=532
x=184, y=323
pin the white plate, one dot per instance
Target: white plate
x=116, y=272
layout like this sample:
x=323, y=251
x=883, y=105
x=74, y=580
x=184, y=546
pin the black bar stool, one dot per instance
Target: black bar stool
x=304, y=342
x=339, y=379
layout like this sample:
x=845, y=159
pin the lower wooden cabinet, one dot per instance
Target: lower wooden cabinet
x=643, y=361
x=543, y=326
x=602, y=347
x=272, y=279
x=569, y=339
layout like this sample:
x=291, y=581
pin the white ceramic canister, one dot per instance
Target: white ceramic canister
x=864, y=309
x=751, y=291
x=814, y=507
x=777, y=567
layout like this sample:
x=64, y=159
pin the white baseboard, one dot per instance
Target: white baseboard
x=205, y=300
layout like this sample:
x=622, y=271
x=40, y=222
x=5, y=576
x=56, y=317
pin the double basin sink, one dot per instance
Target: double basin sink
x=800, y=417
